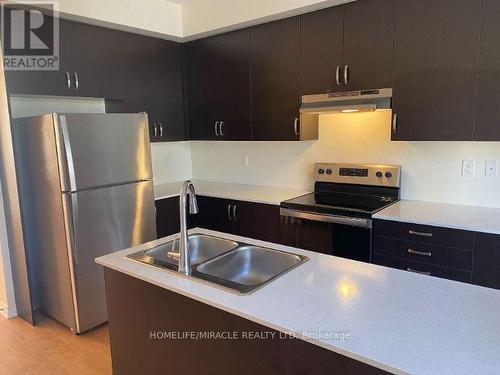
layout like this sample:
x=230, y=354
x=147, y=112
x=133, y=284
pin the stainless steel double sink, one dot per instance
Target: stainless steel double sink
x=241, y=267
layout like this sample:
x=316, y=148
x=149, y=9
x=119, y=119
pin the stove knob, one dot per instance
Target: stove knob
x=321, y=171
x=388, y=174
x=379, y=174
x=328, y=171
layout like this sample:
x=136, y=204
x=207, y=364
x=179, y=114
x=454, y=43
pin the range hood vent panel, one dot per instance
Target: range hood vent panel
x=351, y=101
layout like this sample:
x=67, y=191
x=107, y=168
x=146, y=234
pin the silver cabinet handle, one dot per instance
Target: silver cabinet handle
x=216, y=128
x=161, y=129
x=229, y=212
x=68, y=80
x=221, y=128
x=337, y=76
x=420, y=234
x=409, y=269
x=423, y=253
x=296, y=126
x=235, y=216
x=77, y=81
x=395, y=122
x=346, y=74
x=155, y=129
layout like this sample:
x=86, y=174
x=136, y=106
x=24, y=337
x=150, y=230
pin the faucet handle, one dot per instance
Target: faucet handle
x=173, y=255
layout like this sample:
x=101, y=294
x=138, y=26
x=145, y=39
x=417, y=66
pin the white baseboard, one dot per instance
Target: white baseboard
x=8, y=311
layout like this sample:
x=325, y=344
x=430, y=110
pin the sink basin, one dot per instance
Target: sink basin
x=237, y=266
x=248, y=267
x=202, y=248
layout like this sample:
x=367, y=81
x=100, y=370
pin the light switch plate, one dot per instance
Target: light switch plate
x=490, y=168
x=467, y=168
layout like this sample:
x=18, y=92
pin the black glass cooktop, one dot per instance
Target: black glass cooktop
x=339, y=204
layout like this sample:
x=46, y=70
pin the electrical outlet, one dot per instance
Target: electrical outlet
x=467, y=168
x=490, y=168
x=245, y=162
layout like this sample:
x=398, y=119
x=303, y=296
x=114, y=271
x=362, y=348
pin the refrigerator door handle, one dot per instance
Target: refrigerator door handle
x=66, y=144
x=70, y=208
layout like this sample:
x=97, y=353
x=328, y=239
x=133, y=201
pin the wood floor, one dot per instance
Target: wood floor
x=51, y=348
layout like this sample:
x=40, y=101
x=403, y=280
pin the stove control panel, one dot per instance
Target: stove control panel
x=364, y=174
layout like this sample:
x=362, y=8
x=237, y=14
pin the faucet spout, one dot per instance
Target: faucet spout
x=184, y=251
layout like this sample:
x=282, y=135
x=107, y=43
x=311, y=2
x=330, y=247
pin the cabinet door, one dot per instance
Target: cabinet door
x=259, y=221
x=487, y=126
x=214, y=213
x=138, y=77
x=167, y=217
x=321, y=45
x=368, y=44
x=275, y=54
x=50, y=82
x=168, y=100
x=96, y=60
x=435, y=68
x=486, y=261
x=232, y=91
x=201, y=81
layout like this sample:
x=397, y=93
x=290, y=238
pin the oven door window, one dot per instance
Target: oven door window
x=334, y=239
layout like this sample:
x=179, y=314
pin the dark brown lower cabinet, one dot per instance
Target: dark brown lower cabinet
x=139, y=342
x=423, y=268
x=487, y=260
x=248, y=219
x=442, y=252
x=167, y=216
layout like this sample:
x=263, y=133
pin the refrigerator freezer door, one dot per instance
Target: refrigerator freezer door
x=98, y=150
x=102, y=221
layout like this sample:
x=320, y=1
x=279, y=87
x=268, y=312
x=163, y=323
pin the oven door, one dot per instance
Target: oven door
x=341, y=236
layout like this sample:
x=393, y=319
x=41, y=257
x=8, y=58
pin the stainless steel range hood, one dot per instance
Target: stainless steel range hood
x=347, y=102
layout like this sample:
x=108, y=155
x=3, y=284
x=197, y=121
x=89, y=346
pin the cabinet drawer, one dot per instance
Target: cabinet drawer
x=423, y=268
x=425, y=234
x=424, y=253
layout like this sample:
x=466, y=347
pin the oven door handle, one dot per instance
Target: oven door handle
x=334, y=219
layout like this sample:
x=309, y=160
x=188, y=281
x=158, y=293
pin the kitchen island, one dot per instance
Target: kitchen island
x=328, y=314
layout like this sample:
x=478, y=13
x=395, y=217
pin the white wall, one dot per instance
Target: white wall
x=202, y=16
x=431, y=170
x=153, y=17
x=171, y=161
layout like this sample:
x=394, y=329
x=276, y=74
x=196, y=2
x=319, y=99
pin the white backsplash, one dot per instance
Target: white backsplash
x=171, y=161
x=431, y=170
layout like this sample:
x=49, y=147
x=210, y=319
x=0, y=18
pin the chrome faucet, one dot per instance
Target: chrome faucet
x=184, y=253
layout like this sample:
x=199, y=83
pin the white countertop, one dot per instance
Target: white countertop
x=477, y=219
x=249, y=193
x=398, y=321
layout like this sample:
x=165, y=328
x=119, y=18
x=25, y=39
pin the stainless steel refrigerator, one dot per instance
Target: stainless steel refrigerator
x=85, y=183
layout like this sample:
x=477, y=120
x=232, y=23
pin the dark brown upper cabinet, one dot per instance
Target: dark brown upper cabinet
x=167, y=112
x=487, y=124
x=321, y=51
x=435, y=69
x=89, y=65
x=218, y=75
x=347, y=47
x=275, y=51
x=200, y=73
x=368, y=44
x=152, y=81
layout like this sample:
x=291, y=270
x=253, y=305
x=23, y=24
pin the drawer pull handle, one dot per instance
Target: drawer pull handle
x=420, y=234
x=427, y=254
x=419, y=272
